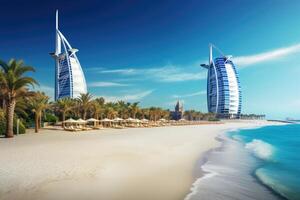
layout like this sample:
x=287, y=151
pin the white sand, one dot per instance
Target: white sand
x=128, y=164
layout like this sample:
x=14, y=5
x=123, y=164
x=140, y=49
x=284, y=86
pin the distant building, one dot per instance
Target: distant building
x=69, y=77
x=177, y=114
x=223, y=87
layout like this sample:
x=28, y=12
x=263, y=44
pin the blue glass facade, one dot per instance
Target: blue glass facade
x=223, y=89
x=64, y=78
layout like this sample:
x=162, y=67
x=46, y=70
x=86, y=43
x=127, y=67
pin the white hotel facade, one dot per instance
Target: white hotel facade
x=69, y=77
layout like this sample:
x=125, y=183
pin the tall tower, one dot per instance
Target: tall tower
x=69, y=77
x=223, y=87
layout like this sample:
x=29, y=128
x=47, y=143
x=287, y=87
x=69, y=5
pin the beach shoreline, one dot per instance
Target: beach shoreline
x=220, y=157
x=146, y=163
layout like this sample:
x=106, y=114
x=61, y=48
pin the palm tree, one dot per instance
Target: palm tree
x=133, y=108
x=122, y=108
x=110, y=110
x=64, y=105
x=84, y=102
x=155, y=113
x=145, y=113
x=13, y=85
x=100, y=101
x=166, y=114
x=38, y=103
x=96, y=109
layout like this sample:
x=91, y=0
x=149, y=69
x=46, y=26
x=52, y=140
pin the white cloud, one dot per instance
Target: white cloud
x=93, y=69
x=189, y=95
x=243, y=61
x=119, y=71
x=107, y=84
x=168, y=73
x=171, y=73
x=128, y=97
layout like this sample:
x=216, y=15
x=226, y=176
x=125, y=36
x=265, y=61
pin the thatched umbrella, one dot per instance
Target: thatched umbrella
x=93, y=120
x=106, y=120
x=70, y=121
x=81, y=121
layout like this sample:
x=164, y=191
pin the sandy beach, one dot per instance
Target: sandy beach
x=128, y=164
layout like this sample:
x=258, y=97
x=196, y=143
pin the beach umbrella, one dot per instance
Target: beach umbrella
x=118, y=119
x=106, y=120
x=70, y=121
x=81, y=121
x=131, y=119
x=92, y=120
x=162, y=120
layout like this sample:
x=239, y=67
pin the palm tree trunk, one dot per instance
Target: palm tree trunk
x=36, y=125
x=40, y=120
x=10, y=109
x=63, y=119
x=84, y=114
x=96, y=117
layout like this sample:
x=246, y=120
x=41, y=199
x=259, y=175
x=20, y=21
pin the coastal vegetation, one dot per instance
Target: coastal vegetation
x=22, y=108
x=13, y=84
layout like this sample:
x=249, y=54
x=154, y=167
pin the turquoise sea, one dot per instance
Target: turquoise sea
x=252, y=164
x=278, y=150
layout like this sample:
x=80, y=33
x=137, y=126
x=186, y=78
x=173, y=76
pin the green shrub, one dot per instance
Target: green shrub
x=22, y=128
x=213, y=119
x=50, y=118
x=2, y=122
x=2, y=126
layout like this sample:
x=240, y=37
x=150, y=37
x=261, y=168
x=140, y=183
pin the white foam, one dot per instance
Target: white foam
x=208, y=174
x=261, y=149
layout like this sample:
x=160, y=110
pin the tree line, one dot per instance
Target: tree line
x=29, y=107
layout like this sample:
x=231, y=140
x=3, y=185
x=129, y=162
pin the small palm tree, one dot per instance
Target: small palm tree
x=145, y=113
x=134, y=109
x=110, y=112
x=166, y=114
x=100, y=101
x=84, y=103
x=96, y=109
x=155, y=113
x=63, y=106
x=13, y=84
x=38, y=103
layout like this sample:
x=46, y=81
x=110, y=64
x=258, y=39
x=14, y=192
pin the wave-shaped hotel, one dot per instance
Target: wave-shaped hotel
x=223, y=87
x=69, y=77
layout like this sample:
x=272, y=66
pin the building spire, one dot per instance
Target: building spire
x=56, y=24
x=210, y=54
x=58, y=39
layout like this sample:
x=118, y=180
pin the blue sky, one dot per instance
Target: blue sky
x=150, y=51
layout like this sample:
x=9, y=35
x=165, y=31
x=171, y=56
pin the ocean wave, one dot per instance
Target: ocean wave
x=261, y=149
x=276, y=186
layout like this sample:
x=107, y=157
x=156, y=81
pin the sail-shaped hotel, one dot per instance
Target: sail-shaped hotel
x=69, y=77
x=223, y=86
